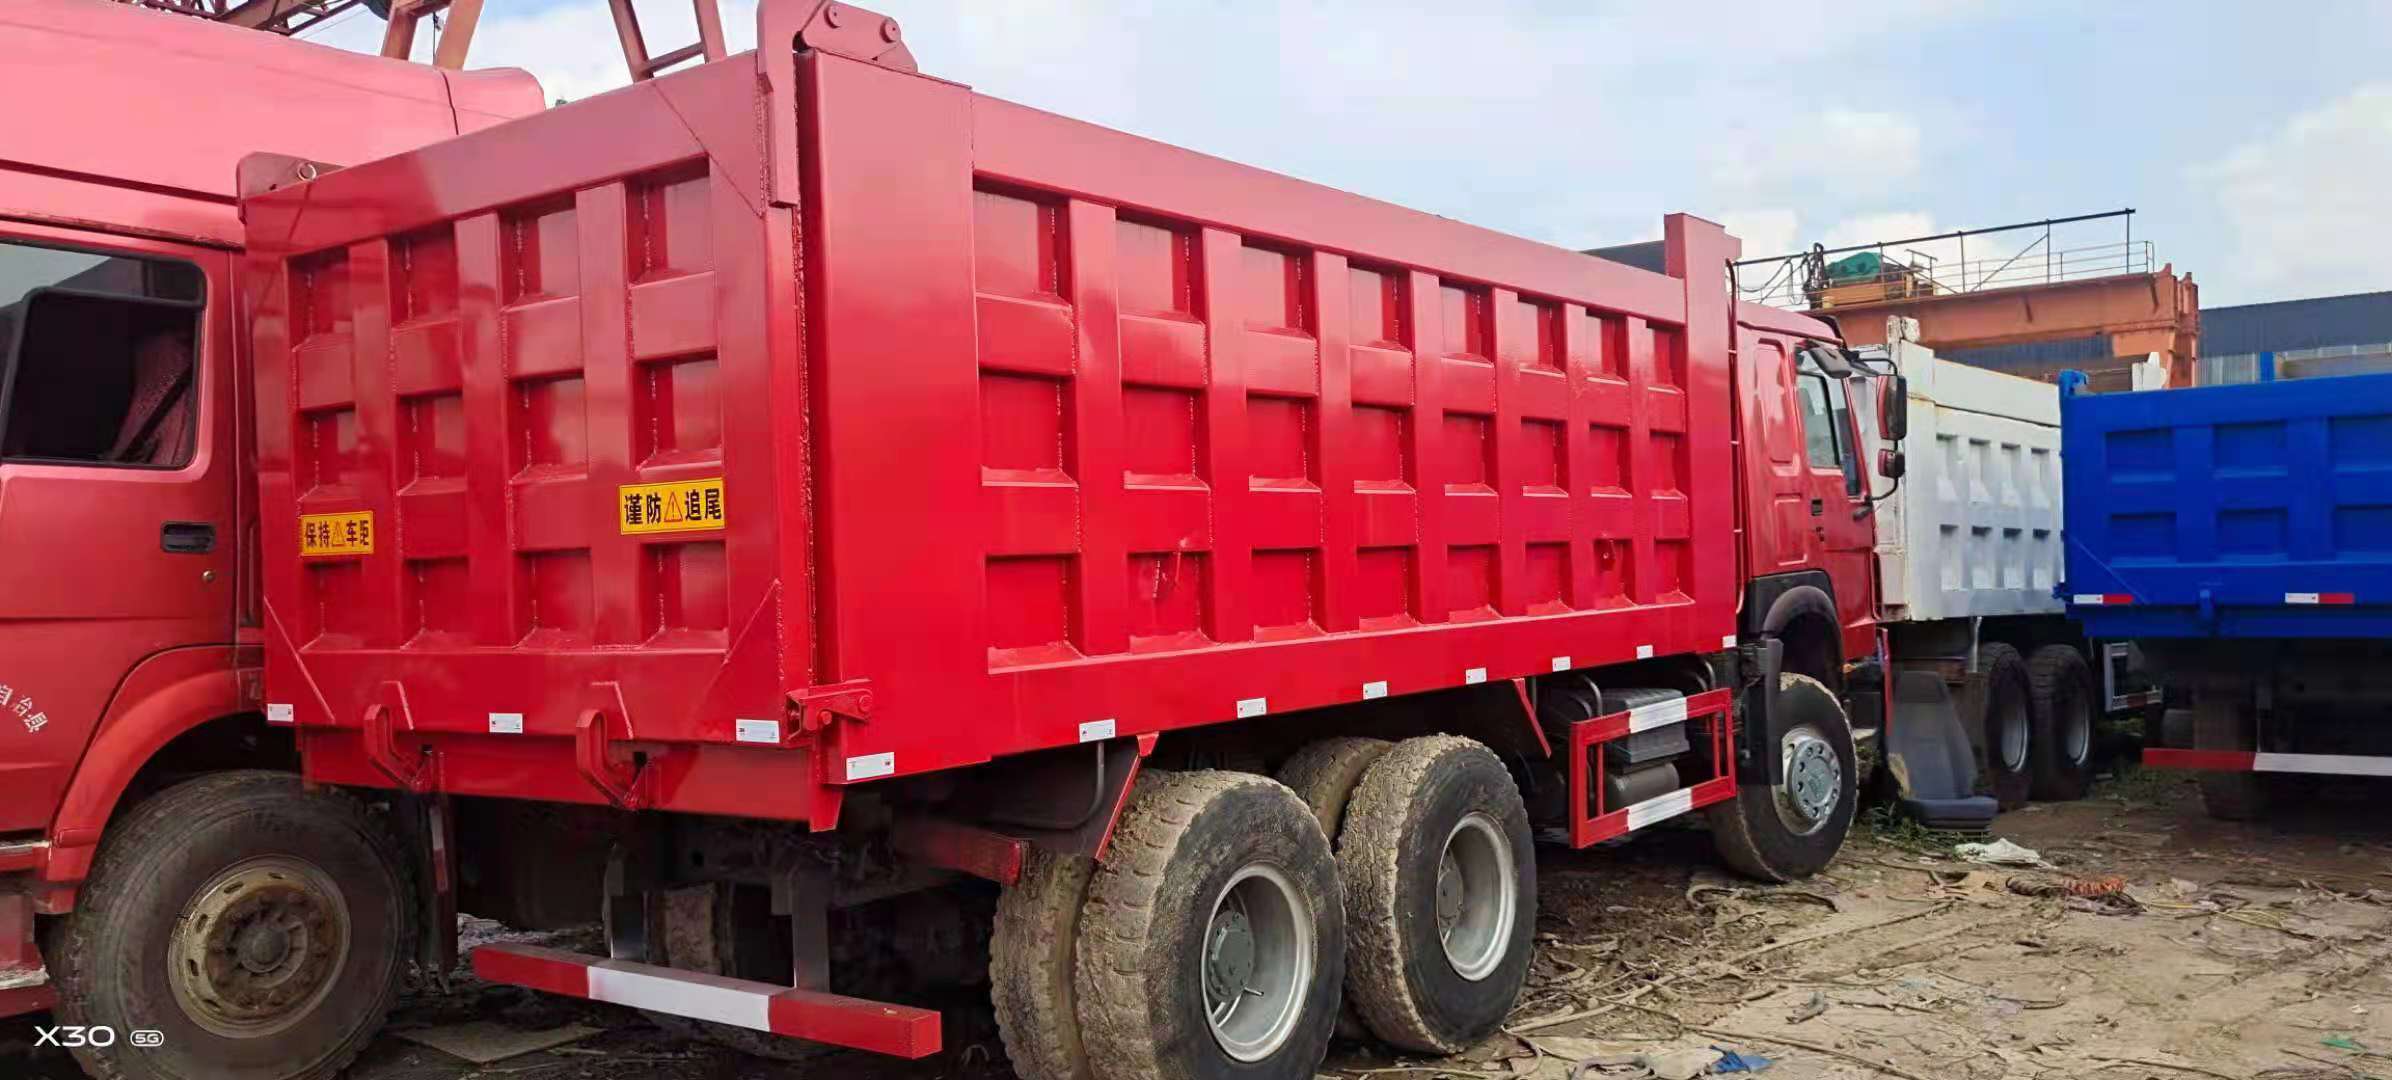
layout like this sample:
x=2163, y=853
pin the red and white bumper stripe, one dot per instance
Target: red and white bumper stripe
x=803, y=1014
x=2101, y=599
x=2320, y=598
x=2257, y=761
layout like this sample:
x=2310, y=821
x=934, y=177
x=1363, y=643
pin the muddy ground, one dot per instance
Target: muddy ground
x=2160, y=945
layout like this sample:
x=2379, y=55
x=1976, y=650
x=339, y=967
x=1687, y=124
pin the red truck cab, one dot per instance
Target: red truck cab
x=129, y=654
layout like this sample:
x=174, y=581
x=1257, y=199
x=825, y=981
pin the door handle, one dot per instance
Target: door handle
x=187, y=538
x=1818, y=508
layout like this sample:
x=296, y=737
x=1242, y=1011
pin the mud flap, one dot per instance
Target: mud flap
x=1928, y=752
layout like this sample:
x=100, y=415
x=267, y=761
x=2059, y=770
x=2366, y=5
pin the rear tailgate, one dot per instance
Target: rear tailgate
x=2262, y=510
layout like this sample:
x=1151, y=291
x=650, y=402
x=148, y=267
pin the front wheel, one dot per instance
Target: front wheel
x=260, y=930
x=1792, y=829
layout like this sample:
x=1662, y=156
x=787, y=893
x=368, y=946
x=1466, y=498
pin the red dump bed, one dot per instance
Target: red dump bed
x=719, y=443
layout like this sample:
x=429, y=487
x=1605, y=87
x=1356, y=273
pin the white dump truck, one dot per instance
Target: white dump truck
x=1969, y=548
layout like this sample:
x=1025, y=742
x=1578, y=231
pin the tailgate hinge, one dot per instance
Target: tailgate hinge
x=817, y=707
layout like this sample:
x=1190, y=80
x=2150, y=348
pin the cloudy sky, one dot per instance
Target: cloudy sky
x=2255, y=140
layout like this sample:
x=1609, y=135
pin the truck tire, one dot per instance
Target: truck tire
x=2060, y=701
x=1998, y=708
x=1794, y=829
x=1323, y=774
x=1441, y=891
x=1213, y=942
x=1030, y=968
x=261, y=929
x=2226, y=722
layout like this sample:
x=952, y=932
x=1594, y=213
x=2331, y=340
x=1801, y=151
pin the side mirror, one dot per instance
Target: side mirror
x=1893, y=409
x=1891, y=463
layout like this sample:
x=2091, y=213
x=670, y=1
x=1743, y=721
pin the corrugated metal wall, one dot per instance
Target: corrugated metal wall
x=2326, y=335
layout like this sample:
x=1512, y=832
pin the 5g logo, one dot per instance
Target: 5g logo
x=71, y=1037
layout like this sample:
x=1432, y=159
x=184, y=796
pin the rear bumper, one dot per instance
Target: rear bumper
x=2256, y=761
x=897, y=1030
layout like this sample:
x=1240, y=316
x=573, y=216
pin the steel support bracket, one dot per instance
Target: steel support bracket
x=593, y=743
x=378, y=728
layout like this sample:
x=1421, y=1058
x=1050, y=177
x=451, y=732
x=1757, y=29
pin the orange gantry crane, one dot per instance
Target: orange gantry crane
x=2026, y=286
x=456, y=20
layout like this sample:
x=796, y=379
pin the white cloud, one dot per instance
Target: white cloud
x=2305, y=203
x=1765, y=231
x=1838, y=152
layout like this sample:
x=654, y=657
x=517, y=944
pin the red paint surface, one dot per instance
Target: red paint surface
x=2215, y=760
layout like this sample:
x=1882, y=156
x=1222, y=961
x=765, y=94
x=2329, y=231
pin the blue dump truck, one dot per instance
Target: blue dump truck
x=2243, y=535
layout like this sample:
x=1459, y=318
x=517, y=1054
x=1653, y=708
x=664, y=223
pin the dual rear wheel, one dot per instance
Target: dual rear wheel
x=1225, y=926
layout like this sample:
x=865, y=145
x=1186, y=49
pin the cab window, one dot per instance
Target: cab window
x=98, y=356
x=1826, y=423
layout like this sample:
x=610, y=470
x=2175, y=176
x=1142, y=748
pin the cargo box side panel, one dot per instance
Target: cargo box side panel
x=1975, y=526
x=519, y=483
x=1120, y=438
x=2262, y=510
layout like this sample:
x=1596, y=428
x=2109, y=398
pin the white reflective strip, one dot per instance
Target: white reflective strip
x=2336, y=764
x=1662, y=714
x=280, y=712
x=2091, y=599
x=1253, y=707
x=1475, y=675
x=1644, y=652
x=511, y=723
x=868, y=766
x=757, y=731
x=1660, y=808
x=1094, y=730
x=682, y=995
x=1561, y=663
x=1727, y=641
x=1372, y=690
x=2300, y=598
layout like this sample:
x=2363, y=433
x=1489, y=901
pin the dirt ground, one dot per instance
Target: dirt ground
x=2159, y=945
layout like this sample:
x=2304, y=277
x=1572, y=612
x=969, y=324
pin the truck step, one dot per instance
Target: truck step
x=24, y=990
x=2257, y=761
x=1593, y=820
x=883, y=1028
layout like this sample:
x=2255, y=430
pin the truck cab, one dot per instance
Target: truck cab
x=128, y=593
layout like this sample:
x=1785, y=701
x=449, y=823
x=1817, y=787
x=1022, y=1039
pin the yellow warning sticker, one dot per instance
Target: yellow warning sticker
x=673, y=507
x=337, y=534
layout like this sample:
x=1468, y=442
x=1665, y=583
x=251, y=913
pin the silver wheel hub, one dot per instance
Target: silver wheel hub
x=2014, y=737
x=1229, y=956
x=1257, y=963
x=1813, y=784
x=258, y=947
x=2077, y=740
x=1478, y=896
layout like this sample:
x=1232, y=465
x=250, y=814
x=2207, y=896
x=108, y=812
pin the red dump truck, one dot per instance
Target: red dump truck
x=854, y=537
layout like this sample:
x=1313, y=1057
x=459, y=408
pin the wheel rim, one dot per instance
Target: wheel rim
x=2014, y=737
x=2077, y=739
x=258, y=946
x=1477, y=892
x=1257, y=964
x=1813, y=784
